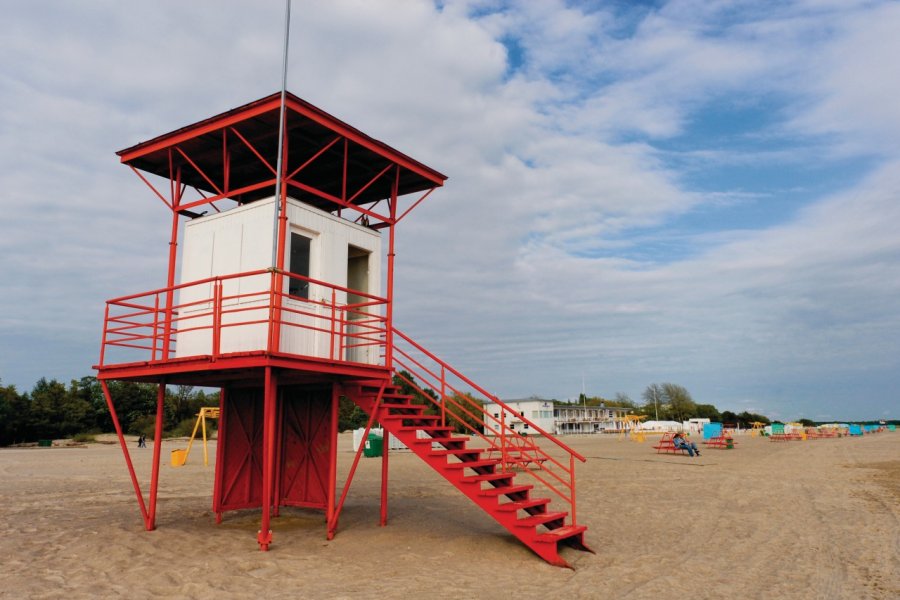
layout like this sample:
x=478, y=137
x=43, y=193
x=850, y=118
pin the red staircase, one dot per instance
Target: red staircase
x=484, y=480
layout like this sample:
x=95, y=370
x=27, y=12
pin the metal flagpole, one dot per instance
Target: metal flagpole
x=279, y=166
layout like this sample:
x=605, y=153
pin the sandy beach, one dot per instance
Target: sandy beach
x=813, y=519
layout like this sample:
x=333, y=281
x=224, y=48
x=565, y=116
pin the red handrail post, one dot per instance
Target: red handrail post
x=105, y=333
x=155, y=324
x=217, y=318
x=333, y=308
x=443, y=396
x=503, y=464
x=269, y=340
x=572, y=480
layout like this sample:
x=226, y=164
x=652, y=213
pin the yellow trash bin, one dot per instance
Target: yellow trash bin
x=178, y=457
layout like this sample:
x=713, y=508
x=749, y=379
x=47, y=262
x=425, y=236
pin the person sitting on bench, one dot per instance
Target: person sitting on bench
x=679, y=442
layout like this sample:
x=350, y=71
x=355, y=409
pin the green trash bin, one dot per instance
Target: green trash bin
x=374, y=445
x=729, y=443
x=45, y=443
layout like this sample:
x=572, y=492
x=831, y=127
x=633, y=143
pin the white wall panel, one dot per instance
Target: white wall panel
x=240, y=240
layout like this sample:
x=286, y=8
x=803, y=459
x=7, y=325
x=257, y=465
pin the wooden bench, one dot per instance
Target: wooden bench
x=720, y=441
x=667, y=446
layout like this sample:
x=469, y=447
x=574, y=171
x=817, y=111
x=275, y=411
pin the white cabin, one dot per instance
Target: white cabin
x=319, y=245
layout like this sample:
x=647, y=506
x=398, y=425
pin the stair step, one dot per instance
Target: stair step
x=456, y=452
x=560, y=533
x=472, y=463
x=540, y=519
x=416, y=408
x=373, y=393
x=441, y=440
x=411, y=417
x=523, y=504
x=487, y=477
x=506, y=490
x=427, y=428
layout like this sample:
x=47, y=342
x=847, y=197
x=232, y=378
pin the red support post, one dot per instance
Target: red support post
x=281, y=208
x=264, y=537
x=389, y=325
x=332, y=525
x=226, y=161
x=157, y=449
x=278, y=453
x=125, y=453
x=220, y=458
x=170, y=278
x=332, y=453
x=385, y=451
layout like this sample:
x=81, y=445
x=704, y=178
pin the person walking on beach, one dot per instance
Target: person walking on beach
x=142, y=441
x=679, y=442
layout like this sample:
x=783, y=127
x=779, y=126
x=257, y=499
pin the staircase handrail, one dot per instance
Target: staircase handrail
x=510, y=442
x=488, y=395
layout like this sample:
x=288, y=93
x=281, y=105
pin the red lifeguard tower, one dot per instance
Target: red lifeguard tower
x=278, y=304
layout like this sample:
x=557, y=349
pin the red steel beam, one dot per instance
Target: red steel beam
x=125, y=453
x=332, y=525
x=264, y=537
x=189, y=133
x=157, y=448
x=200, y=171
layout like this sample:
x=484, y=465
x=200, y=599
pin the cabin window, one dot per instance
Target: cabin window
x=299, y=265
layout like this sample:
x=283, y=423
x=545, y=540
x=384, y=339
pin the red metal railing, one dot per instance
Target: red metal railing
x=459, y=408
x=142, y=328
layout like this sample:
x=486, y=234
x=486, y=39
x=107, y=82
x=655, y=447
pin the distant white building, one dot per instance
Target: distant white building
x=561, y=419
x=574, y=418
x=536, y=410
x=661, y=426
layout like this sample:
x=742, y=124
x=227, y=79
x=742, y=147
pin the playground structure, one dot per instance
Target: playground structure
x=632, y=427
x=206, y=412
x=280, y=212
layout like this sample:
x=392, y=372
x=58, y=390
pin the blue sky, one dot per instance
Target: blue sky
x=699, y=192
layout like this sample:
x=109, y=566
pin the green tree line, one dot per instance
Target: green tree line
x=52, y=410
x=672, y=402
